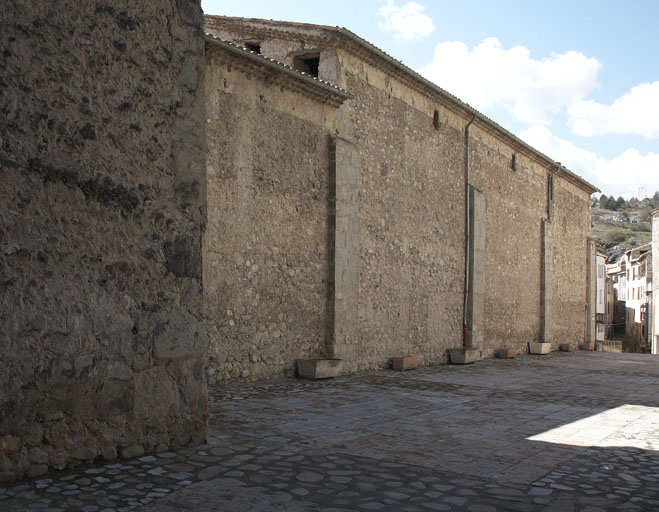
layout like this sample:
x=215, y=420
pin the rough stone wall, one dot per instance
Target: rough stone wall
x=411, y=220
x=411, y=202
x=515, y=206
x=411, y=228
x=102, y=205
x=268, y=246
x=571, y=222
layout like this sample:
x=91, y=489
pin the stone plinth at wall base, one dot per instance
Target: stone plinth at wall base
x=465, y=355
x=319, y=368
x=588, y=346
x=538, y=347
x=507, y=353
x=402, y=363
x=567, y=347
x=609, y=346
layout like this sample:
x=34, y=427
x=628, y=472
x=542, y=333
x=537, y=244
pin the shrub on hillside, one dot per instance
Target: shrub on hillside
x=619, y=235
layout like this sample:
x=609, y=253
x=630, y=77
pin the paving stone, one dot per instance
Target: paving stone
x=389, y=460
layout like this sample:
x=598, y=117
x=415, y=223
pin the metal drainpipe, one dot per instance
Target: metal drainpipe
x=467, y=245
x=550, y=190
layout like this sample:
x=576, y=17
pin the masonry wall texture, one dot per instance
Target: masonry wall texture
x=407, y=224
x=268, y=253
x=102, y=195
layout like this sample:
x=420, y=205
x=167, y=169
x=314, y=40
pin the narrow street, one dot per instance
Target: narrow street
x=563, y=432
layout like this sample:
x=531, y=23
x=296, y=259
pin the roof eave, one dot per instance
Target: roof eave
x=278, y=66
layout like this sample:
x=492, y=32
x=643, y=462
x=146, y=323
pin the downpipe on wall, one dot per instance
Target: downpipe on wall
x=467, y=234
x=550, y=190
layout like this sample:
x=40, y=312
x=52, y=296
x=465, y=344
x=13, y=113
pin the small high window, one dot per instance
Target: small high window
x=308, y=63
x=253, y=47
x=435, y=119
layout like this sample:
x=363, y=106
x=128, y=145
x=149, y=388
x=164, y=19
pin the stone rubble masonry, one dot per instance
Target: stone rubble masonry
x=102, y=206
x=268, y=248
x=399, y=222
x=477, y=260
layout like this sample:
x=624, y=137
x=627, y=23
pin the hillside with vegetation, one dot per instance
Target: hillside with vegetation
x=622, y=224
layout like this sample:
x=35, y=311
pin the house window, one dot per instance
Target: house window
x=435, y=119
x=308, y=63
x=253, y=47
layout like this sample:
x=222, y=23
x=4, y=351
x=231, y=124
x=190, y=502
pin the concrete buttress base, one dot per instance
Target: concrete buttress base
x=465, y=355
x=538, y=347
x=319, y=368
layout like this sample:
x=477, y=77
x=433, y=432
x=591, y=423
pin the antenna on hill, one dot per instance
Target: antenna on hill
x=642, y=193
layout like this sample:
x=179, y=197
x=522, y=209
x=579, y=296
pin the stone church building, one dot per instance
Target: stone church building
x=336, y=212
x=187, y=200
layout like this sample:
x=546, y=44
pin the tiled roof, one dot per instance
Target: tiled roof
x=259, y=59
x=282, y=26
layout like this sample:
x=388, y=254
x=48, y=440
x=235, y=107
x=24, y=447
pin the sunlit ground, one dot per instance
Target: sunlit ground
x=634, y=426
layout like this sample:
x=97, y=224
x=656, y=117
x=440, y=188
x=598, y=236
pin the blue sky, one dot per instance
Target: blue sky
x=578, y=80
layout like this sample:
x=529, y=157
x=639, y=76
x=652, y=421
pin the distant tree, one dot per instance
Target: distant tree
x=655, y=200
x=645, y=213
x=619, y=235
x=620, y=202
x=609, y=204
x=602, y=200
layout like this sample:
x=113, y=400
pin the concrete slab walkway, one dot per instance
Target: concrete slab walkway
x=563, y=432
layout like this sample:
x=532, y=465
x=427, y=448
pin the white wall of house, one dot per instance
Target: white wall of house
x=600, y=298
x=655, y=264
x=637, y=290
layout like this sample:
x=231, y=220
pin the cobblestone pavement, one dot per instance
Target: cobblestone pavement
x=563, y=432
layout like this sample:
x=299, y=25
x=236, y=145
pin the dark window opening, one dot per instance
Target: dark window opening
x=308, y=64
x=435, y=119
x=253, y=47
x=514, y=162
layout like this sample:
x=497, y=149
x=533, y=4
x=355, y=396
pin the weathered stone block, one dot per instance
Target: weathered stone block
x=183, y=257
x=37, y=456
x=465, y=355
x=507, y=353
x=402, y=363
x=84, y=453
x=567, y=347
x=134, y=450
x=538, y=347
x=588, y=346
x=179, y=335
x=109, y=453
x=319, y=368
x=10, y=444
x=609, y=346
x=35, y=470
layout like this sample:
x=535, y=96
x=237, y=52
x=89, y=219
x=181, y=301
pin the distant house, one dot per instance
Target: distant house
x=654, y=320
x=638, y=273
x=600, y=308
x=617, y=273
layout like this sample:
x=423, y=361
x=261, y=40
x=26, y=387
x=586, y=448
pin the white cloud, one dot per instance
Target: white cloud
x=531, y=90
x=620, y=176
x=407, y=22
x=636, y=112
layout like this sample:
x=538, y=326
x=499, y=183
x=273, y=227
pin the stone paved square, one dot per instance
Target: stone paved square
x=567, y=431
